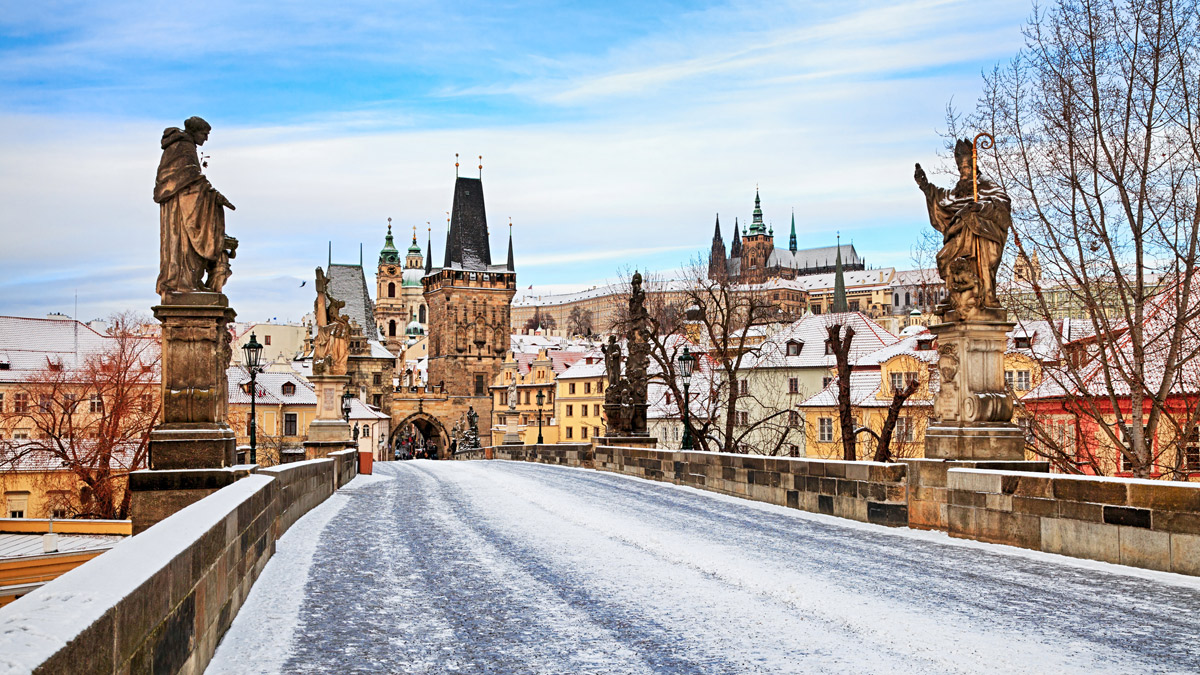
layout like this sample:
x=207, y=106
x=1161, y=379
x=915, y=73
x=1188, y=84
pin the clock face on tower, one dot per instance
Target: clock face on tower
x=391, y=270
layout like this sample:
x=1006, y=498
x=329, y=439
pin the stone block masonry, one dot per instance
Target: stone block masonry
x=1141, y=523
x=160, y=601
x=870, y=492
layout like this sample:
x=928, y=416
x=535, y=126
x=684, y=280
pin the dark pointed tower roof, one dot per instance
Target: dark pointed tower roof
x=467, y=245
x=839, y=284
x=735, y=248
x=510, y=266
x=429, y=253
x=717, y=263
x=792, y=239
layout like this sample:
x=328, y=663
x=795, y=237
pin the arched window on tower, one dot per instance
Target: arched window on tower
x=907, y=299
x=392, y=328
x=391, y=290
x=422, y=319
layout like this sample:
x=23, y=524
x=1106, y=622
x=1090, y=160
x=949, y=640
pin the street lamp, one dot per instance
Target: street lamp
x=541, y=398
x=686, y=363
x=346, y=398
x=253, y=353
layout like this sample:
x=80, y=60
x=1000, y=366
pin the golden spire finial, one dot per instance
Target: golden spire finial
x=456, y=165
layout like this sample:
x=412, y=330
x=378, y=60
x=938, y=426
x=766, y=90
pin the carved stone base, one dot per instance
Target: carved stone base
x=192, y=446
x=512, y=435
x=154, y=495
x=329, y=389
x=996, y=441
x=326, y=436
x=195, y=397
x=625, y=441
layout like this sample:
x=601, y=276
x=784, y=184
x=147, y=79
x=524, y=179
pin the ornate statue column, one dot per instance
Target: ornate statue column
x=625, y=397
x=512, y=435
x=972, y=414
x=329, y=431
x=196, y=343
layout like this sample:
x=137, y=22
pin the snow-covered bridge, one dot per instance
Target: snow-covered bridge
x=508, y=567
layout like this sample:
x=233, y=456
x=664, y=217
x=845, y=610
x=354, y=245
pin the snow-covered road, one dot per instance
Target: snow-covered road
x=504, y=567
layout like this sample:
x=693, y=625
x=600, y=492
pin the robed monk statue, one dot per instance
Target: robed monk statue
x=194, y=251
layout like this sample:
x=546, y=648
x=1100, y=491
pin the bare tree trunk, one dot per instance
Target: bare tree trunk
x=883, y=451
x=841, y=352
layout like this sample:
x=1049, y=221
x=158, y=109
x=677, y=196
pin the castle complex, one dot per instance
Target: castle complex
x=753, y=258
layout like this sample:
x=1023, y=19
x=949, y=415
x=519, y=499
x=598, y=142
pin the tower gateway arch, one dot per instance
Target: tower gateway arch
x=468, y=299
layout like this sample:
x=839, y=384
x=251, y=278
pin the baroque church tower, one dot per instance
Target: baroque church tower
x=757, y=246
x=399, y=306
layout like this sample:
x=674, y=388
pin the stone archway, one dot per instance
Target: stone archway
x=423, y=426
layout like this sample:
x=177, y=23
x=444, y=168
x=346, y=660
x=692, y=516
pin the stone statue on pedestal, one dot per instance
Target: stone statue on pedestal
x=194, y=251
x=512, y=393
x=974, y=218
x=331, y=348
x=625, y=396
x=972, y=413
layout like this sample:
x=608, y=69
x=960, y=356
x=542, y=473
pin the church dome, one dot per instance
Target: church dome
x=412, y=277
x=414, y=328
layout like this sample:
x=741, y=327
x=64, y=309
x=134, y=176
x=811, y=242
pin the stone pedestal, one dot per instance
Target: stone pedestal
x=972, y=414
x=512, y=435
x=192, y=451
x=649, y=442
x=328, y=432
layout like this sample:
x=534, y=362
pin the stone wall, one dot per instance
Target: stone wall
x=1142, y=523
x=345, y=466
x=927, y=492
x=866, y=491
x=161, y=601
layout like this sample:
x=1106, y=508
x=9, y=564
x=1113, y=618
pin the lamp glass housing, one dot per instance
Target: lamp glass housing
x=253, y=353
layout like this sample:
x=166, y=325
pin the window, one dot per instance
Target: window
x=95, y=404
x=391, y=290
x=289, y=425
x=526, y=398
x=479, y=389
x=825, y=381
x=596, y=409
x=1023, y=380
x=571, y=388
x=289, y=388
x=897, y=301
x=17, y=503
x=1022, y=342
x=147, y=402
x=376, y=379
x=925, y=344
x=587, y=387
x=794, y=347
x=908, y=301
x=267, y=340
x=901, y=380
x=1191, y=450
x=1, y=402
x=570, y=432
x=744, y=387
x=570, y=411
x=853, y=305
x=20, y=402
x=825, y=429
x=583, y=432
x=828, y=347
x=595, y=431
x=904, y=430
x=743, y=418
x=21, y=435
x=421, y=313
x=583, y=410
x=45, y=403
x=377, y=400
x=793, y=418
x=793, y=385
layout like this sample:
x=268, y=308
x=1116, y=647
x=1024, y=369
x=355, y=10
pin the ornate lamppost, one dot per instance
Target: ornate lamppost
x=686, y=363
x=252, y=351
x=346, y=398
x=541, y=398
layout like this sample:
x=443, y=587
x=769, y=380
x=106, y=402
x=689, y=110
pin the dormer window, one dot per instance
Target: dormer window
x=794, y=347
x=925, y=344
x=289, y=388
x=1023, y=342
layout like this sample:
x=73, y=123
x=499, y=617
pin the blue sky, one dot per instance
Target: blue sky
x=611, y=132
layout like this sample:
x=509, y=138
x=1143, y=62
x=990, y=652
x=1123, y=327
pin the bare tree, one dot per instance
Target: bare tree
x=94, y=420
x=579, y=321
x=841, y=337
x=883, y=448
x=539, y=320
x=722, y=322
x=1097, y=128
